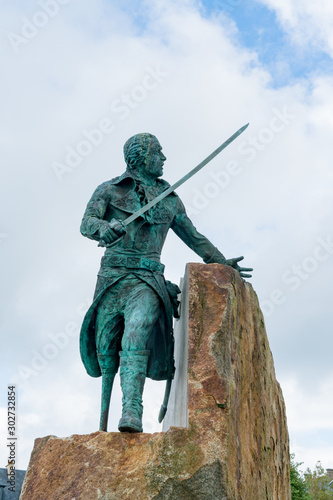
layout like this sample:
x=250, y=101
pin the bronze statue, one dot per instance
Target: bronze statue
x=129, y=323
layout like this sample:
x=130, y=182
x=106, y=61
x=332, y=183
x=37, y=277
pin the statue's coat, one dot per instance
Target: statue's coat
x=118, y=198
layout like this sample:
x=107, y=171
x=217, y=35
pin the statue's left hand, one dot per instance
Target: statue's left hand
x=242, y=270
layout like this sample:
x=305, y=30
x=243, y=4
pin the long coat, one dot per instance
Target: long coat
x=143, y=242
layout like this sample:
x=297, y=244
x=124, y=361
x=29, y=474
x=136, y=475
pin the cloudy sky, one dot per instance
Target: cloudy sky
x=81, y=77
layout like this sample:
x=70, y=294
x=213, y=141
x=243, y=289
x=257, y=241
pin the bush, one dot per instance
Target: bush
x=297, y=481
x=317, y=483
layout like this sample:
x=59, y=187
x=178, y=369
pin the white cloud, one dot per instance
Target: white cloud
x=306, y=21
x=310, y=417
x=317, y=411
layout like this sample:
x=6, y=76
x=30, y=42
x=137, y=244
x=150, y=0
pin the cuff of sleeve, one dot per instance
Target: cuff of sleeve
x=216, y=258
x=92, y=228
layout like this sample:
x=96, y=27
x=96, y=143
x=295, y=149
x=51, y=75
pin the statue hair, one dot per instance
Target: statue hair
x=136, y=150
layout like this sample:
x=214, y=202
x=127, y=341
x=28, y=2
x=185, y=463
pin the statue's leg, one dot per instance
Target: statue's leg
x=133, y=370
x=109, y=366
x=140, y=315
x=109, y=327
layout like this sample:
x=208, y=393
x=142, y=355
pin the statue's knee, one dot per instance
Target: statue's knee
x=133, y=341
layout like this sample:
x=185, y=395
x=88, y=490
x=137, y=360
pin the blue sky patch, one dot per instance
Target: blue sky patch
x=259, y=30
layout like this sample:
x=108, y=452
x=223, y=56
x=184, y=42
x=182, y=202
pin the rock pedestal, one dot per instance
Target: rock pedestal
x=235, y=444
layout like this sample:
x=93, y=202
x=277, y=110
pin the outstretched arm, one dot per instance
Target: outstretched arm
x=186, y=231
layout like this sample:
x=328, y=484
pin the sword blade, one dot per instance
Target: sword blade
x=181, y=181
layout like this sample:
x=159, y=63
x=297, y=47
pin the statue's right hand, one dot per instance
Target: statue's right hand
x=115, y=230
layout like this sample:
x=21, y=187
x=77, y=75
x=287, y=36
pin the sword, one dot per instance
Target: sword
x=181, y=181
x=164, y=405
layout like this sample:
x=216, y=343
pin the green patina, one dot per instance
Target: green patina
x=129, y=323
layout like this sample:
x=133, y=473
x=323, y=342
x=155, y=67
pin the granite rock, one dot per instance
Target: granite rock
x=236, y=445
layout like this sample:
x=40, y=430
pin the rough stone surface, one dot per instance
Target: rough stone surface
x=236, y=445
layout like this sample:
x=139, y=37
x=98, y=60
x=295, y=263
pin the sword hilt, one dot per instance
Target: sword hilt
x=108, y=245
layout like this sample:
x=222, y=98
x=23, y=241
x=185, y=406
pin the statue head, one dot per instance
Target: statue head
x=143, y=154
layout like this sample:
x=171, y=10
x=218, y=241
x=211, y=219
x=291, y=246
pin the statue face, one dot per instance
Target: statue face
x=155, y=159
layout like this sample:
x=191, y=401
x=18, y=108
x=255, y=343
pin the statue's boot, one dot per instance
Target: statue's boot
x=109, y=366
x=133, y=371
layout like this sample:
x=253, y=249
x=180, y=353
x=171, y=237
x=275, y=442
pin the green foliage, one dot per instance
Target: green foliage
x=317, y=483
x=313, y=485
x=297, y=481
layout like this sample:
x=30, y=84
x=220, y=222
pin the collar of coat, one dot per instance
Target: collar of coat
x=127, y=199
x=128, y=178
